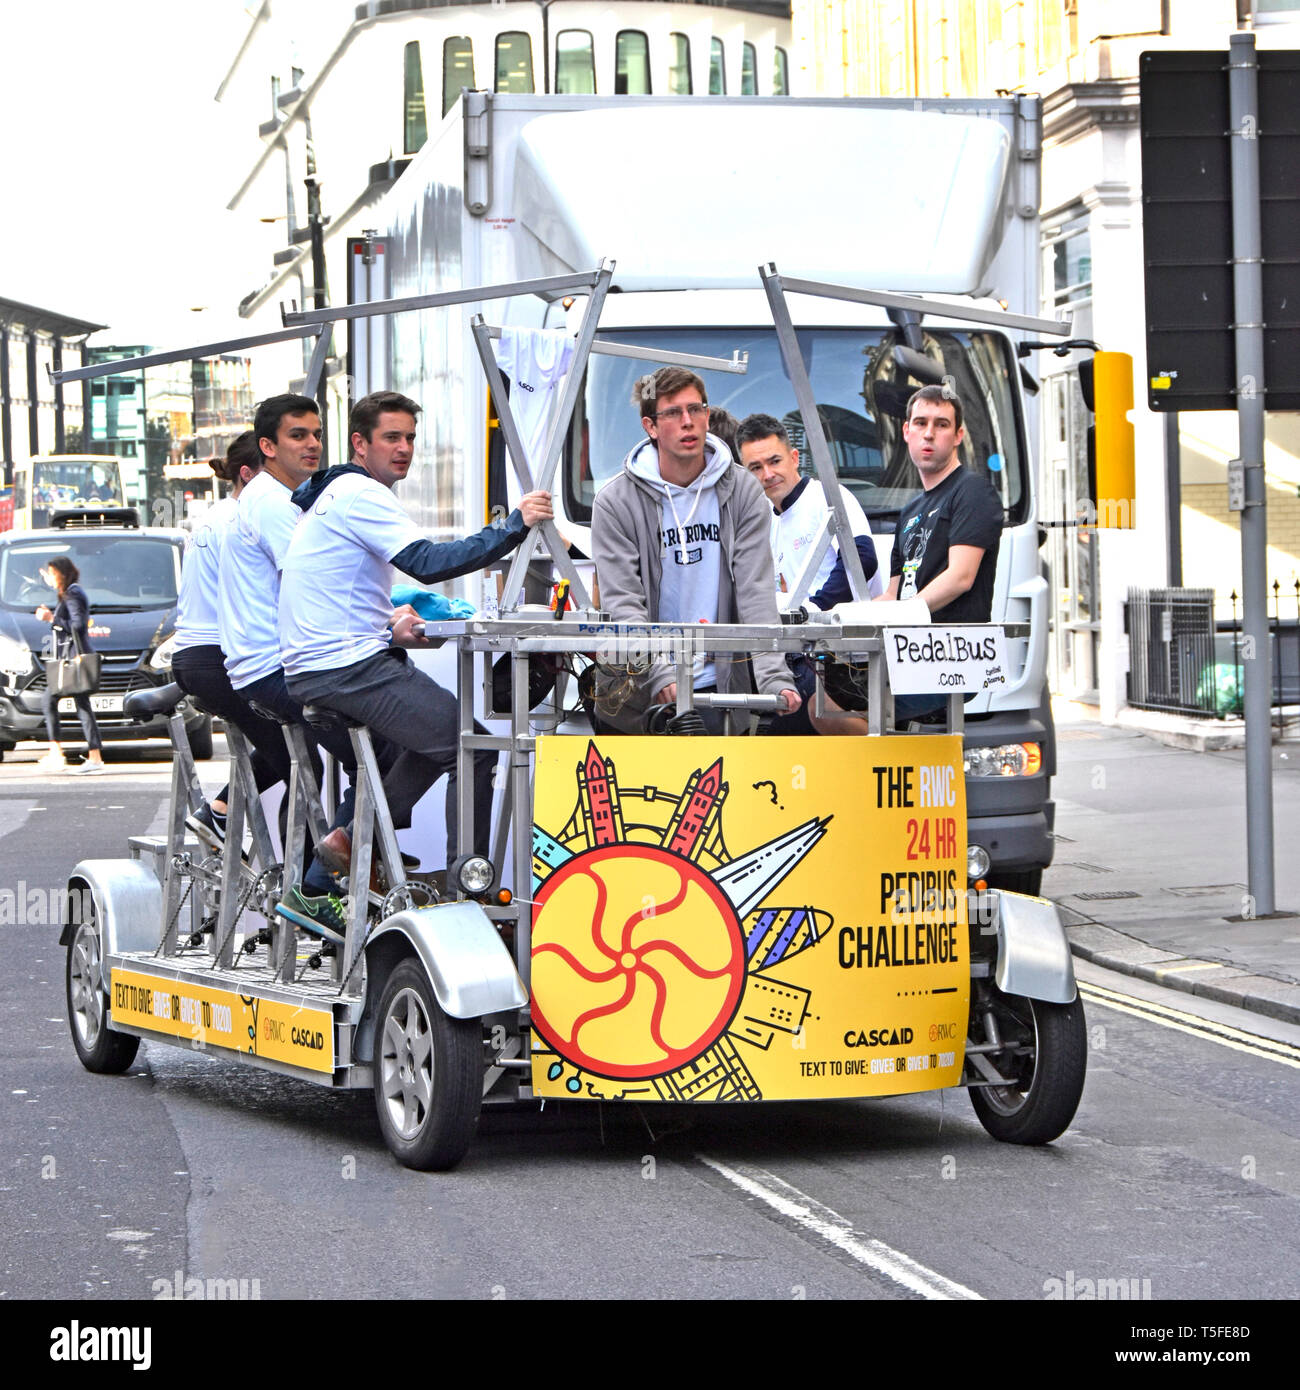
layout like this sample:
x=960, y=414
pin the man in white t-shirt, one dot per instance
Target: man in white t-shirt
x=288, y=431
x=340, y=639
x=799, y=513
x=800, y=510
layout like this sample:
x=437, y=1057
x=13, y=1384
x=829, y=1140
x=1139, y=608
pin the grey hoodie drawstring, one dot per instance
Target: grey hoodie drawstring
x=681, y=529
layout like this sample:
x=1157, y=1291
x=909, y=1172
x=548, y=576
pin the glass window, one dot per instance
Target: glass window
x=1070, y=265
x=717, y=69
x=748, y=70
x=457, y=69
x=781, y=74
x=514, y=62
x=861, y=391
x=632, y=65
x=679, y=67
x=119, y=573
x=415, y=125
x=575, y=62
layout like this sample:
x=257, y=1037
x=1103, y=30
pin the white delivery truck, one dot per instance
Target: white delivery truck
x=689, y=197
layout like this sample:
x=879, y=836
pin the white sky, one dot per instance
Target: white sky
x=117, y=165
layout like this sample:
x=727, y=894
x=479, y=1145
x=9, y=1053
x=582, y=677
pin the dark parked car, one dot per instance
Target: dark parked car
x=132, y=578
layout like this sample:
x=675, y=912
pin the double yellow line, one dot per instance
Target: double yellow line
x=1286, y=1053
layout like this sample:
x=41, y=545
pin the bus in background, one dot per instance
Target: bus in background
x=55, y=482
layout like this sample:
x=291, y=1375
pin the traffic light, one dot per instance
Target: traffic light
x=1106, y=381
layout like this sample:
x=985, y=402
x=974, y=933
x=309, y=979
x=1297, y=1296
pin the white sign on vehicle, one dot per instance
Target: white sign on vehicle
x=946, y=660
x=101, y=704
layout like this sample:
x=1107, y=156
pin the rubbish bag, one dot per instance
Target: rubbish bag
x=1220, y=686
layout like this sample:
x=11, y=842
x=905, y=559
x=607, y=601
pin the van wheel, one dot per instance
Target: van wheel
x=98, y=1046
x=428, y=1073
x=1044, y=1057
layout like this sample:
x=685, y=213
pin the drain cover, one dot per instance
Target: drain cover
x=1091, y=868
x=1107, y=895
x=1061, y=839
x=1207, y=890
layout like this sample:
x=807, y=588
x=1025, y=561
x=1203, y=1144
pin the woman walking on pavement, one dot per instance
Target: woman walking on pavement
x=71, y=623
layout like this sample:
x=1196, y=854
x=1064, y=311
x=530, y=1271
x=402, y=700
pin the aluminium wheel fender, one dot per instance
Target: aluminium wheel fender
x=1034, y=959
x=127, y=900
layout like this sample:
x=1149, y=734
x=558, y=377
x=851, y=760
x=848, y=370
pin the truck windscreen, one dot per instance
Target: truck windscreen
x=861, y=391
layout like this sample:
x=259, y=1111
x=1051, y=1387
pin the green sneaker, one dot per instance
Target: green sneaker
x=322, y=917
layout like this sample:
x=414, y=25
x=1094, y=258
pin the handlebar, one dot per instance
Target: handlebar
x=756, y=704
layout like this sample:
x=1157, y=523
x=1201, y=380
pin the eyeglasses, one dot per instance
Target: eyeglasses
x=675, y=412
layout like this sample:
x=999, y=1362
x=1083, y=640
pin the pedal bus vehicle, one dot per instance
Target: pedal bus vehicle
x=662, y=919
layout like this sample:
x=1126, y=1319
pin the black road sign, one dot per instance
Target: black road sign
x=1187, y=229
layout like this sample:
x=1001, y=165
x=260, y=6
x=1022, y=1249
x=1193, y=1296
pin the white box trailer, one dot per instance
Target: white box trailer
x=689, y=197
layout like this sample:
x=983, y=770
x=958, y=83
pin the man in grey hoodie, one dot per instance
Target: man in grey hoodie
x=680, y=536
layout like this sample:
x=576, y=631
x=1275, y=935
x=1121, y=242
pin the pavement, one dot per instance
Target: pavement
x=1150, y=872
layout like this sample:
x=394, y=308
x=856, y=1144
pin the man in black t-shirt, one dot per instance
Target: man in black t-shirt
x=946, y=545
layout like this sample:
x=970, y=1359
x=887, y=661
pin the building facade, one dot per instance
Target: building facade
x=163, y=424
x=37, y=417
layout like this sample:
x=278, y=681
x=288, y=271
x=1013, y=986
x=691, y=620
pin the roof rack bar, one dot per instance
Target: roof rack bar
x=918, y=304
x=738, y=362
x=189, y=354
x=551, y=285
x=775, y=286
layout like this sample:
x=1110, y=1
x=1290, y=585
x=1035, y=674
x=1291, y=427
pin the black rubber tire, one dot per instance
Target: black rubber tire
x=5, y=748
x=428, y=1106
x=1049, y=1083
x=98, y=1047
x=1018, y=881
x=200, y=739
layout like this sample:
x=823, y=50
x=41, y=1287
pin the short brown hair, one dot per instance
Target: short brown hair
x=667, y=381
x=366, y=412
x=939, y=394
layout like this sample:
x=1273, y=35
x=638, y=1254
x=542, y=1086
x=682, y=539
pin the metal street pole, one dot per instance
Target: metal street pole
x=1248, y=310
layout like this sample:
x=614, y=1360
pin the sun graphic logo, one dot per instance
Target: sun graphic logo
x=656, y=979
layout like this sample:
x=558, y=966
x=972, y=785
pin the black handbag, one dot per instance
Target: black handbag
x=72, y=671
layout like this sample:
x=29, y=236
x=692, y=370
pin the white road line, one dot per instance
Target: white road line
x=832, y=1227
x=1222, y=1033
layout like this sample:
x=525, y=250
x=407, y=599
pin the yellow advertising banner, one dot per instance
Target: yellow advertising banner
x=748, y=919
x=223, y=1018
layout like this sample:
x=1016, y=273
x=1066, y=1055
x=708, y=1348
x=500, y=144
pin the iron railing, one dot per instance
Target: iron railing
x=1183, y=660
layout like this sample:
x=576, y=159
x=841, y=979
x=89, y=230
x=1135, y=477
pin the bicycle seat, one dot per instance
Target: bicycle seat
x=145, y=704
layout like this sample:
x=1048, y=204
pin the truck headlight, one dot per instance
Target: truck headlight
x=161, y=660
x=1004, y=760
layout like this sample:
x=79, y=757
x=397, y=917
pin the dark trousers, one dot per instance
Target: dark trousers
x=201, y=672
x=50, y=706
x=419, y=720
x=272, y=692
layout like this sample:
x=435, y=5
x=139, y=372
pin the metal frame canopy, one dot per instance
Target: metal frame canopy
x=551, y=288
x=837, y=521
